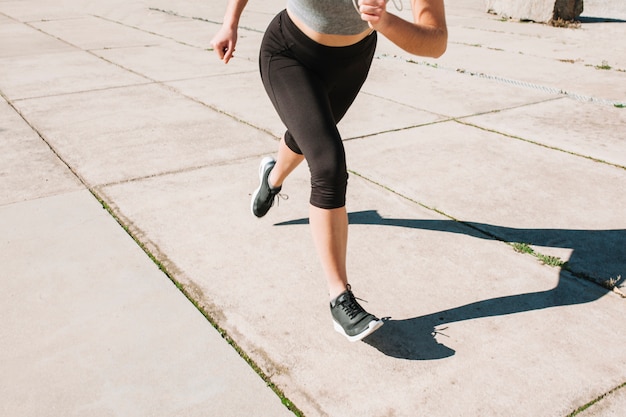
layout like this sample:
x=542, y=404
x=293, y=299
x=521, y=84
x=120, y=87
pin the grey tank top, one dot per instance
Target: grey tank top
x=332, y=17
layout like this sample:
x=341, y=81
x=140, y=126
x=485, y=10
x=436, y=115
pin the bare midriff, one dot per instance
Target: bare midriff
x=326, y=39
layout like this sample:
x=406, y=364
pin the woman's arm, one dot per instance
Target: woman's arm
x=427, y=35
x=224, y=41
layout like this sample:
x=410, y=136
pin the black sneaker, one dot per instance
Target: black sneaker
x=263, y=196
x=350, y=319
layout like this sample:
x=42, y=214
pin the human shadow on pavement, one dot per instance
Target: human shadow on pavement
x=595, y=253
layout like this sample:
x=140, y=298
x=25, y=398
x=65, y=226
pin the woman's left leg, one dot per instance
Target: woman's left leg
x=286, y=161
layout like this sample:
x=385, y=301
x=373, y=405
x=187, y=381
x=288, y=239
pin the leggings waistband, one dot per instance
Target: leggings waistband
x=334, y=52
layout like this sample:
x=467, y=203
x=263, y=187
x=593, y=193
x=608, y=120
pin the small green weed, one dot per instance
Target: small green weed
x=523, y=248
x=604, y=66
x=550, y=260
x=545, y=259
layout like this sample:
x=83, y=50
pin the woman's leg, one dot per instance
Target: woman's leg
x=302, y=103
x=329, y=228
x=286, y=161
x=311, y=97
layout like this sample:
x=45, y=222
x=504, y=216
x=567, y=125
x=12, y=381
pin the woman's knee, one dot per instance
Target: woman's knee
x=328, y=185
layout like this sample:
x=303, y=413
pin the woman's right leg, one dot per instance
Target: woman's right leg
x=329, y=228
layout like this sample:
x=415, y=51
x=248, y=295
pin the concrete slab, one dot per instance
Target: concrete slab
x=33, y=11
x=193, y=23
x=484, y=180
x=541, y=73
x=439, y=90
x=172, y=61
x=556, y=44
x=190, y=8
x=586, y=129
x=186, y=30
x=60, y=73
x=120, y=134
x=461, y=305
x=18, y=39
x=91, y=326
x=95, y=32
x=25, y=12
x=256, y=15
x=28, y=168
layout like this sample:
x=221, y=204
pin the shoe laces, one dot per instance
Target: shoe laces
x=351, y=306
x=277, y=197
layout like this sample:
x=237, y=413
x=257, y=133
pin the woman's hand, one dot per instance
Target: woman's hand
x=426, y=35
x=373, y=12
x=224, y=42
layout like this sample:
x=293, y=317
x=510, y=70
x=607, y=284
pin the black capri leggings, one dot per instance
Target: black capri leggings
x=312, y=86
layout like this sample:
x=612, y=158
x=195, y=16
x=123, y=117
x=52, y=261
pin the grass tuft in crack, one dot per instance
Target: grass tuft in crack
x=550, y=260
x=522, y=248
x=600, y=398
x=544, y=259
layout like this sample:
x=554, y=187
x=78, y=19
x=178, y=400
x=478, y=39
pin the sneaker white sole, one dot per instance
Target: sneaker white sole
x=264, y=162
x=371, y=328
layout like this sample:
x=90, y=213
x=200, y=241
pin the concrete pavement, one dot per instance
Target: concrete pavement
x=514, y=139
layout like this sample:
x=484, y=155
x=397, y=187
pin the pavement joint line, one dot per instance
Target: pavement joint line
x=596, y=400
x=92, y=90
x=510, y=81
x=364, y=92
x=611, y=285
x=543, y=145
x=146, y=31
x=43, y=138
x=113, y=48
x=214, y=75
x=449, y=118
x=178, y=171
x=523, y=53
x=202, y=19
x=400, y=129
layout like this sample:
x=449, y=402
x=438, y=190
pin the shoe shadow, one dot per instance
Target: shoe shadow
x=597, y=255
